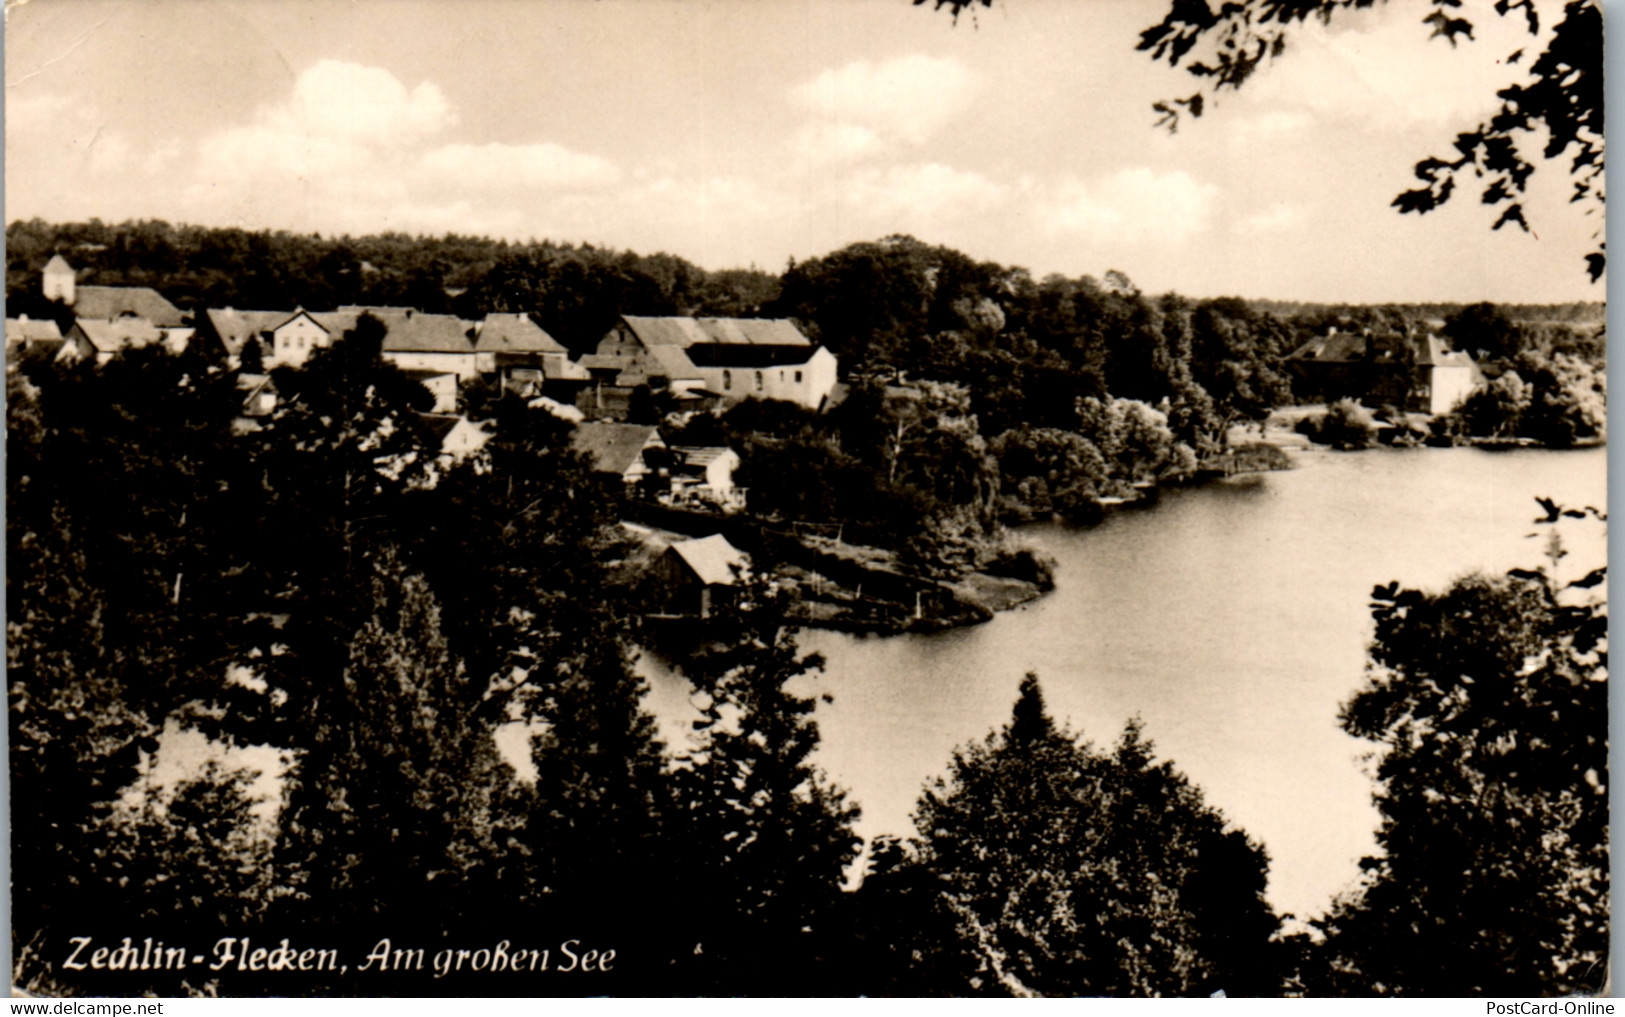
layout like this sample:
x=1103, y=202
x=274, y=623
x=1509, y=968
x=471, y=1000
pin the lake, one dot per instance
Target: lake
x=1232, y=618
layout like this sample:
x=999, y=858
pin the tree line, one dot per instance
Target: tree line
x=323, y=588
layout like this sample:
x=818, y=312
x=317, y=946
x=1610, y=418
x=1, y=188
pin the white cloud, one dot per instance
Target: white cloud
x=910, y=98
x=353, y=148
x=1387, y=72
x=65, y=130
x=1278, y=218
x=821, y=144
x=163, y=156
x=346, y=101
x=268, y=153
x=1273, y=124
x=929, y=189
x=31, y=111
x=494, y=165
x=65, y=158
x=1136, y=205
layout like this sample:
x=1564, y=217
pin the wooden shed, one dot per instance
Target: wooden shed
x=692, y=577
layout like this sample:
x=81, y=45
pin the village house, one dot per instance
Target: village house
x=107, y=302
x=692, y=578
x=617, y=449
x=293, y=340
x=1418, y=374
x=726, y=359
x=453, y=436
x=705, y=474
x=259, y=394
x=524, y=359
x=798, y=374
x=31, y=340
x=101, y=340
x=24, y=330
x=517, y=336
x=285, y=338
x=429, y=342
x=437, y=344
x=1443, y=378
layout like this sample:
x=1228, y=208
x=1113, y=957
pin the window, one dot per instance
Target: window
x=758, y=381
x=727, y=380
x=798, y=377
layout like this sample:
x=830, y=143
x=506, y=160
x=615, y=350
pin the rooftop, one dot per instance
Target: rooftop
x=514, y=333
x=110, y=336
x=715, y=561
x=685, y=332
x=105, y=302
x=26, y=329
x=613, y=448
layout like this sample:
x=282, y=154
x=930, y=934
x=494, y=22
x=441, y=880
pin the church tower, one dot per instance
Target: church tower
x=59, y=280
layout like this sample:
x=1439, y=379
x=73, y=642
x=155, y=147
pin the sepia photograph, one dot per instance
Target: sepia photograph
x=806, y=498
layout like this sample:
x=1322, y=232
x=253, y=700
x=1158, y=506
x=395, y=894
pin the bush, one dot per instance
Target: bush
x=1024, y=564
x=1345, y=425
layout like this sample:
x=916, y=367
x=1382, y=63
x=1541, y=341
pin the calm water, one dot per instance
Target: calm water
x=1231, y=618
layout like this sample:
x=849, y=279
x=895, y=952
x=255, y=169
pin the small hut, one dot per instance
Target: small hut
x=694, y=576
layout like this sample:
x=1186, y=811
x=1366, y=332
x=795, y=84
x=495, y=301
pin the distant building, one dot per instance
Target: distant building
x=259, y=395
x=526, y=360
x=798, y=374
x=617, y=449
x=1414, y=373
x=24, y=330
x=293, y=340
x=286, y=338
x=694, y=577
x=127, y=302
x=728, y=359
x=518, y=338
x=101, y=339
x=453, y=436
x=429, y=342
x=30, y=340
x=58, y=280
x=107, y=302
x=413, y=341
x=706, y=474
x=1443, y=378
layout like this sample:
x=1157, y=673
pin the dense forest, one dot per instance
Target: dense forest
x=322, y=587
x=1021, y=398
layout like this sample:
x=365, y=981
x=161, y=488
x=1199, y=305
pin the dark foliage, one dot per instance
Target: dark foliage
x=1490, y=701
x=1046, y=867
x=573, y=292
x=1485, y=331
x=763, y=837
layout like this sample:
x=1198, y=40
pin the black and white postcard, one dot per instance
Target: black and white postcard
x=806, y=498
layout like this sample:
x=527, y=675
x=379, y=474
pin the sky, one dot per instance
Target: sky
x=742, y=133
